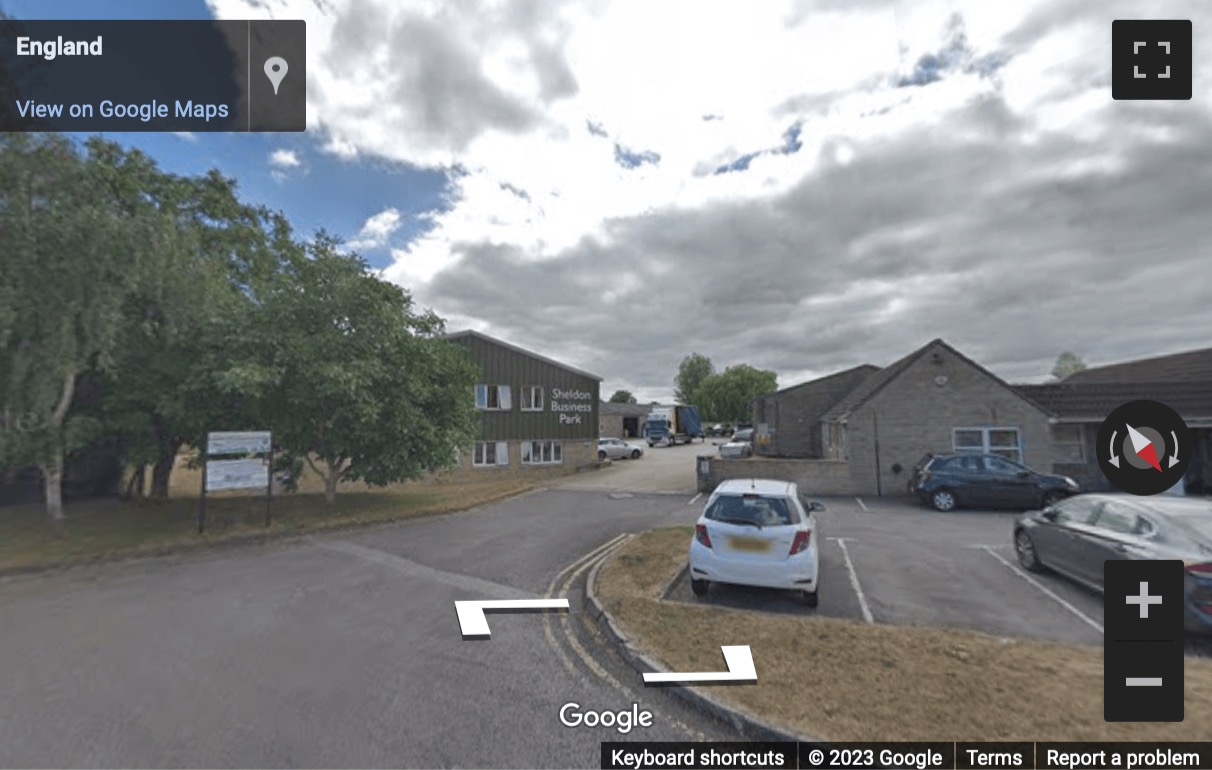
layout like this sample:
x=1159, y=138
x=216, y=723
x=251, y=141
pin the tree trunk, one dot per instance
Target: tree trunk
x=136, y=484
x=331, y=478
x=333, y=471
x=52, y=469
x=52, y=478
x=163, y=469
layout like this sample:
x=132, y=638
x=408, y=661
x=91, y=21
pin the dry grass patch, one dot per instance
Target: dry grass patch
x=841, y=680
x=102, y=529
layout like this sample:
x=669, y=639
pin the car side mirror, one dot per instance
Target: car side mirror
x=813, y=505
x=1049, y=514
x=1024, y=474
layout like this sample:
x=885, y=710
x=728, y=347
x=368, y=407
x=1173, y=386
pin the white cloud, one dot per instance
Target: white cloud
x=377, y=230
x=931, y=177
x=189, y=136
x=284, y=159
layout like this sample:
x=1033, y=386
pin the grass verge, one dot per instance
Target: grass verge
x=103, y=529
x=842, y=680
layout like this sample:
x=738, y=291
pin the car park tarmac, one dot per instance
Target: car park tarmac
x=895, y=562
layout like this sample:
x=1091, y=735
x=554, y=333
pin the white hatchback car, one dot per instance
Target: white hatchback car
x=757, y=532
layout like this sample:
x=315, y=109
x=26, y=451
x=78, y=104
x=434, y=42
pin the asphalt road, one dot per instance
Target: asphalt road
x=344, y=650
x=662, y=470
x=339, y=651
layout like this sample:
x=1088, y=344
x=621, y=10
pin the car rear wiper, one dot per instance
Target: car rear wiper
x=750, y=522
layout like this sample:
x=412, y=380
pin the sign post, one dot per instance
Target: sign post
x=248, y=463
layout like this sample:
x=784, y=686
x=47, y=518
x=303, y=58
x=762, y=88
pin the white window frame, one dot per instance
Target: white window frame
x=504, y=397
x=989, y=449
x=529, y=402
x=551, y=449
x=479, y=457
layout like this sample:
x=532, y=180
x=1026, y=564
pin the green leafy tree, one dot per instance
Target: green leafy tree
x=691, y=372
x=622, y=397
x=78, y=240
x=1066, y=364
x=354, y=381
x=729, y=396
x=163, y=392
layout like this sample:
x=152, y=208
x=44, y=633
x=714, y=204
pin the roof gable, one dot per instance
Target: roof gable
x=494, y=341
x=867, y=389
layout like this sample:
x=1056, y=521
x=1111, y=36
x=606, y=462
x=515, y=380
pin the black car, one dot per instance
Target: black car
x=986, y=481
x=1076, y=536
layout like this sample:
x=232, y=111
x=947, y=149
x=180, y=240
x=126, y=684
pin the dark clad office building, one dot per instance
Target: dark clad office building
x=537, y=416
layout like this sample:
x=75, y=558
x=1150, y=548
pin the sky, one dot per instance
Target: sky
x=798, y=186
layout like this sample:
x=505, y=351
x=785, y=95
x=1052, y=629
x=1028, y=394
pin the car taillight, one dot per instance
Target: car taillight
x=800, y=542
x=700, y=534
x=1200, y=569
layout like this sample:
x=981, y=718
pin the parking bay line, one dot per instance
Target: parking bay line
x=1045, y=589
x=862, y=505
x=696, y=497
x=854, y=581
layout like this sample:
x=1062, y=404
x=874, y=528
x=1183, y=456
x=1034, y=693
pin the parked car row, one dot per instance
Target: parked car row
x=763, y=533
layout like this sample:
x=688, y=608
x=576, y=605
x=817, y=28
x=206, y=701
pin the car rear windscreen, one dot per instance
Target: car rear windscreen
x=763, y=511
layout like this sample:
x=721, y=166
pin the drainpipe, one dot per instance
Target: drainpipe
x=875, y=425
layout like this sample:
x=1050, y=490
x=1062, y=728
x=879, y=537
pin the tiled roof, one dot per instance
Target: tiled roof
x=868, y=368
x=873, y=384
x=1191, y=365
x=1094, y=401
x=870, y=386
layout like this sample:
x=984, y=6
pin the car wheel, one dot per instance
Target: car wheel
x=698, y=587
x=810, y=598
x=651, y=445
x=1024, y=546
x=635, y=454
x=943, y=500
x=601, y=455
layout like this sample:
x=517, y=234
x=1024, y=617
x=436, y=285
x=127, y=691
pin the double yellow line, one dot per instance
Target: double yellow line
x=559, y=588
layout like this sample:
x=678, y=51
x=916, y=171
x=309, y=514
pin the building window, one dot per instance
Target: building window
x=493, y=397
x=542, y=453
x=995, y=441
x=1067, y=441
x=532, y=398
x=490, y=453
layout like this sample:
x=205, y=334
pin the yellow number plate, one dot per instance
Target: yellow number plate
x=749, y=544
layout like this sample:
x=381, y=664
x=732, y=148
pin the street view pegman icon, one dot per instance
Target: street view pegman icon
x=275, y=70
x=1144, y=447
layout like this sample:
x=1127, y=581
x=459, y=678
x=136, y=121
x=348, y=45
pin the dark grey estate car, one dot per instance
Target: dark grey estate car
x=986, y=481
x=1076, y=536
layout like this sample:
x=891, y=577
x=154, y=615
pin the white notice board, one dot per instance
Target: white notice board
x=238, y=443
x=236, y=474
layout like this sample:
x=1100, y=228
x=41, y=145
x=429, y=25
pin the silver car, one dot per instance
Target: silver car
x=1075, y=536
x=617, y=449
x=736, y=448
